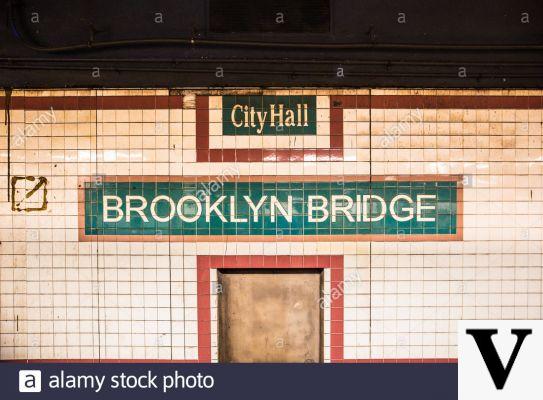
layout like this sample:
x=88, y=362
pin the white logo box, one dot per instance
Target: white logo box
x=525, y=379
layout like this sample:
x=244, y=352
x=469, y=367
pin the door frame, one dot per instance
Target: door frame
x=204, y=290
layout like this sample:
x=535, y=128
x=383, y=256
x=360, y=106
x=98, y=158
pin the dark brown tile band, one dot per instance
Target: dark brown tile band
x=458, y=102
x=94, y=102
x=174, y=361
x=437, y=102
x=342, y=101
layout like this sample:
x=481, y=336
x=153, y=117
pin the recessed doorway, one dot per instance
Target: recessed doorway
x=270, y=315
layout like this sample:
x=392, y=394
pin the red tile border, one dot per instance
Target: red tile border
x=403, y=361
x=94, y=102
x=205, y=263
x=205, y=154
x=99, y=361
x=339, y=102
x=456, y=102
x=167, y=361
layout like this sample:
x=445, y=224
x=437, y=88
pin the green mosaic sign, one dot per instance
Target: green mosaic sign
x=269, y=115
x=271, y=208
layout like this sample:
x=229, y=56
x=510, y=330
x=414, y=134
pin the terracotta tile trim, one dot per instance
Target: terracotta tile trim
x=271, y=239
x=94, y=102
x=337, y=102
x=272, y=178
x=83, y=237
x=99, y=361
x=168, y=361
x=403, y=361
x=274, y=261
x=205, y=263
x=205, y=154
x=437, y=102
x=457, y=102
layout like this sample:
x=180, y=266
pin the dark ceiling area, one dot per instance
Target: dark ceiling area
x=226, y=43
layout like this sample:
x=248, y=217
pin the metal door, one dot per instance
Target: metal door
x=270, y=315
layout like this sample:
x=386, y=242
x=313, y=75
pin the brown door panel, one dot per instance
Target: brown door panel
x=270, y=316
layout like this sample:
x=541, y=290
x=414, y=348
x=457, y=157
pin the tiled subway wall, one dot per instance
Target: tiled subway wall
x=393, y=289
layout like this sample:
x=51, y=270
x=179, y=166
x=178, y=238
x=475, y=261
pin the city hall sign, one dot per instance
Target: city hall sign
x=271, y=208
x=269, y=115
